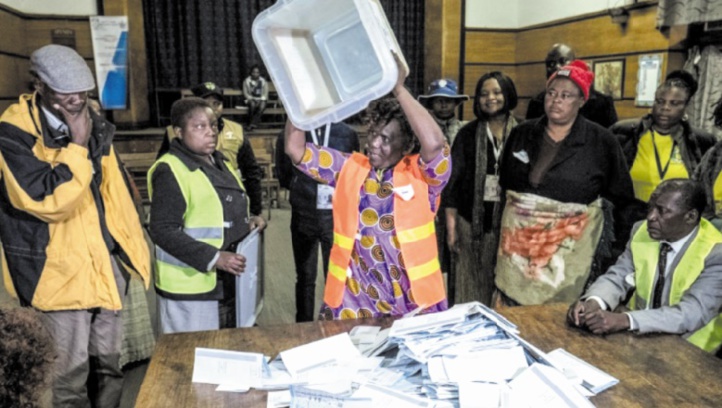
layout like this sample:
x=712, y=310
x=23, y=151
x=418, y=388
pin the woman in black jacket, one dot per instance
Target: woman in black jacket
x=555, y=169
x=472, y=197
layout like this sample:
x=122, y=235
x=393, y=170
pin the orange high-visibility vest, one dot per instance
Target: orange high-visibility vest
x=413, y=220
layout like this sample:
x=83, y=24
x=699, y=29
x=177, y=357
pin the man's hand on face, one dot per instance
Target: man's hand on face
x=79, y=123
x=602, y=321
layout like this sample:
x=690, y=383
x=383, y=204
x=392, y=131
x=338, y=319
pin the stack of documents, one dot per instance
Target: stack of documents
x=467, y=356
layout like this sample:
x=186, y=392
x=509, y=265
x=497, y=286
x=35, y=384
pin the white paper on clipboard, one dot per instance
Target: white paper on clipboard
x=247, y=282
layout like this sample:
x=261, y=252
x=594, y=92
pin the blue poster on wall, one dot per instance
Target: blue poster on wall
x=110, y=48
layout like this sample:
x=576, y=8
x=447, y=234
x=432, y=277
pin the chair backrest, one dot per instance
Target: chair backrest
x=273, y=100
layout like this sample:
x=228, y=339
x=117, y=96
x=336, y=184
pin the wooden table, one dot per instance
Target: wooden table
x=653, y=371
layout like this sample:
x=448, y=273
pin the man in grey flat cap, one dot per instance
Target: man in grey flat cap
x=69, y=230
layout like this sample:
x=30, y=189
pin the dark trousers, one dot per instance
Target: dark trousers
x=307, y=231
x=255, y=111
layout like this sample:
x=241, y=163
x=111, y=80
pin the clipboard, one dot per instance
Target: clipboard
x=249, y=285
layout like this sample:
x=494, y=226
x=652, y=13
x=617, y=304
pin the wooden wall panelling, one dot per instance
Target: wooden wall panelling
x=38, y=34
x=452, y=39
x=593, y=37
x=9, y=83
x=530, y=79
x=442, y=37
x=12, y=33
x=490, y=46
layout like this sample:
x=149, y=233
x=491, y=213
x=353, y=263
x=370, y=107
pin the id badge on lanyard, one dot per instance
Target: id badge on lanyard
x=492, y=190
x=324, y=192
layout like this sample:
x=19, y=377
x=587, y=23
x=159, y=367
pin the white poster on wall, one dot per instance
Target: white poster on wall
x=110, y=50
x=648, y=76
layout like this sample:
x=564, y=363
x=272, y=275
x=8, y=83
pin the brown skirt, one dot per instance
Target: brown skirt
x=474, y=265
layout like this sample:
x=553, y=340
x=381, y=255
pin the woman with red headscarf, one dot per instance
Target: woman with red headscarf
x=554, y=171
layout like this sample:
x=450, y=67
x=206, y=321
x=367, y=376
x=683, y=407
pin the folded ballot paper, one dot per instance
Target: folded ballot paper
x=467, y=356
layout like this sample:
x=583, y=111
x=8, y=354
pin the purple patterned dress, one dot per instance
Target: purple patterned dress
x=378, y=285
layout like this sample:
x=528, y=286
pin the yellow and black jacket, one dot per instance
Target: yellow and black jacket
x=64, y=209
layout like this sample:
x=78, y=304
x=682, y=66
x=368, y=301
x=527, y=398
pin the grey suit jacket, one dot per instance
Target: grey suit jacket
x=700, y=304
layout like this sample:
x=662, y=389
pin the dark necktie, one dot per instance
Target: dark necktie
x=664, y=249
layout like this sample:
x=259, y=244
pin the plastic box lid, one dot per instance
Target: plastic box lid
x=327, y=58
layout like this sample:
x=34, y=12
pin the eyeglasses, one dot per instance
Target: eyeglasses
x=564, y=96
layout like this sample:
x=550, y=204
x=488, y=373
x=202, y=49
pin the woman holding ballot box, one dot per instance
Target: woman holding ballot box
x=384, y=258
x=199, y=213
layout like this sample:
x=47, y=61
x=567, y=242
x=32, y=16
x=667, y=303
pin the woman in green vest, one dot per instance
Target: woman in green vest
x=199, y=213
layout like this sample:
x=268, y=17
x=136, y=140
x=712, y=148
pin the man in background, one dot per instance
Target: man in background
x=598, y=108
x=311, y=215
x=442, y=100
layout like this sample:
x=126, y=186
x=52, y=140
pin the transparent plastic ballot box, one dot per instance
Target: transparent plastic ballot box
x=327, y=58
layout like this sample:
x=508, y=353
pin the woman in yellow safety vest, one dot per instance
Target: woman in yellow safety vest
x=199, y=212
x=384, y=257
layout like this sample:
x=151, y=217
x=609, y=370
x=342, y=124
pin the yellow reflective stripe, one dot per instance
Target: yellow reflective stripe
x=416, y=234
x=424, y=270
x=342, y=241
x=337, y=271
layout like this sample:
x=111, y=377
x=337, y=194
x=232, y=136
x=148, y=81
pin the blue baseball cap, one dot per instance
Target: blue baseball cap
x=444, y=88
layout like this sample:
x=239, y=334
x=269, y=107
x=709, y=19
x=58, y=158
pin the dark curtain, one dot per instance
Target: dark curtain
x=407, y=20
x=190, y=41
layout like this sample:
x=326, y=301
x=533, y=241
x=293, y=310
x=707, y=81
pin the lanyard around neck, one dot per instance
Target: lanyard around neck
x=662, y=172
x=496, y=145
x=326, y=135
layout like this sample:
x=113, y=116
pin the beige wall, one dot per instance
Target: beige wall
x=21, y=34
x=520, y=53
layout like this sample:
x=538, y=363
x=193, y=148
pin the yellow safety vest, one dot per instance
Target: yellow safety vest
x=202, y=221
x=414, y=222
x=645, y=252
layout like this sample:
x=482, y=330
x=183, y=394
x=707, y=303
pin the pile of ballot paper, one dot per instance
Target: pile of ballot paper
x=467, y=356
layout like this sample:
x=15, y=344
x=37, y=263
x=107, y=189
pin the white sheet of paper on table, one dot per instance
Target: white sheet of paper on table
x=543, y=386
x=328, y=351
x=278, y=399
x=493, y=365
x=482, y=395
x=213, y=366
x=591, y=377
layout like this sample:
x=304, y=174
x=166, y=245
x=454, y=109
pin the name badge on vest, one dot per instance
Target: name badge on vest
x=492, y=191
x=324, y=197
x=228, y=135
x=405, y=192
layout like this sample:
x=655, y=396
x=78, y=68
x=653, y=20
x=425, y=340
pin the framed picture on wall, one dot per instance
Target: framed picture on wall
x=609, y=77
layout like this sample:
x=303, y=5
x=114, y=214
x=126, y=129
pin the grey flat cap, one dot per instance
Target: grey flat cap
x=62, y=69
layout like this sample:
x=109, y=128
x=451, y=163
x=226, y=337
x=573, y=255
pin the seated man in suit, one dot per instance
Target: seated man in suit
x=673, y=265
